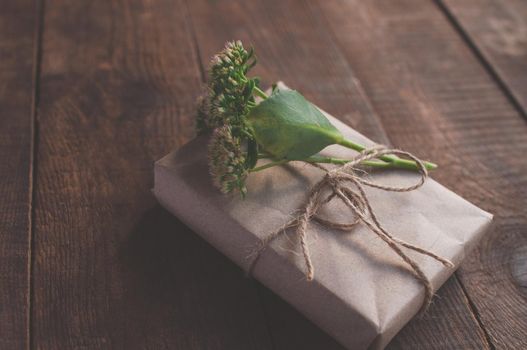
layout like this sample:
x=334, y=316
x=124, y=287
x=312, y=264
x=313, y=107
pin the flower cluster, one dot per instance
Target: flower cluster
x=227, y=162
x=230, y=92
x=229, y=98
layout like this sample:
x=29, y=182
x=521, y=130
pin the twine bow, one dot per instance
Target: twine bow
x=347, y=184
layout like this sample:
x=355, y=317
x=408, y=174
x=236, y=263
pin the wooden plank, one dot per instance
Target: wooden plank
x=112, y=269
x=18, y=39
x=435, y=98
x=299, y=50
x=498, y=32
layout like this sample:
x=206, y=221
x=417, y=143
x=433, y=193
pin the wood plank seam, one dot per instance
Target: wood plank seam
x=480, y=56
x=475, y=313
x=37, y=52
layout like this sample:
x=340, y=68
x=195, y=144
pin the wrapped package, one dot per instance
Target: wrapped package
x=362, y=293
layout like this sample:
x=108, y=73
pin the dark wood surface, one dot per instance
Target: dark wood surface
x=18, y=29
x=92, y=93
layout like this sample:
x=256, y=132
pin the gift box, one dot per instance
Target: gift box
x=362, y=292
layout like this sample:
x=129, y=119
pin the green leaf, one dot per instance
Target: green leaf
x=287, y=126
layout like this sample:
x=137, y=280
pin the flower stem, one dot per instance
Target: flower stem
x=396, y=161
x=268, y=165
x=260, y=93
x=329, y=160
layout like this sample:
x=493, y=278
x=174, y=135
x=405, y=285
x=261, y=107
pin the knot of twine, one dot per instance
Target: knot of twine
x=347, y=184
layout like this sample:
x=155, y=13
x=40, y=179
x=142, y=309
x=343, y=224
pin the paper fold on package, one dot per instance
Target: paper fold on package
x=362, y=294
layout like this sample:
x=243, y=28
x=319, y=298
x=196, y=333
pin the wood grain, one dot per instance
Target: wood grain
x=18, y=28
x=300, y=50
x=435, y=97
x=113, y=270
x=498, y=31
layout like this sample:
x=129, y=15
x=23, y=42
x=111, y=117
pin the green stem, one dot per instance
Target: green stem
x=269, y=165
x=256, y=90
x=396, y=161
x=260, y=93
x=329, y=160
x=338, y=161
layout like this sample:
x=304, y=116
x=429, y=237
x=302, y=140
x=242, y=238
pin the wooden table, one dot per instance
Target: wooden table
x=93, y=92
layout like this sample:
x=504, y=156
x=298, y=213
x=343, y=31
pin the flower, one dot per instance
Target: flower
x=230, y=91
x=227, y=161
x=231, y=64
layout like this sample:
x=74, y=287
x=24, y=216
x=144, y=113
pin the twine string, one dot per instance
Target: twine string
x=347, y=184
